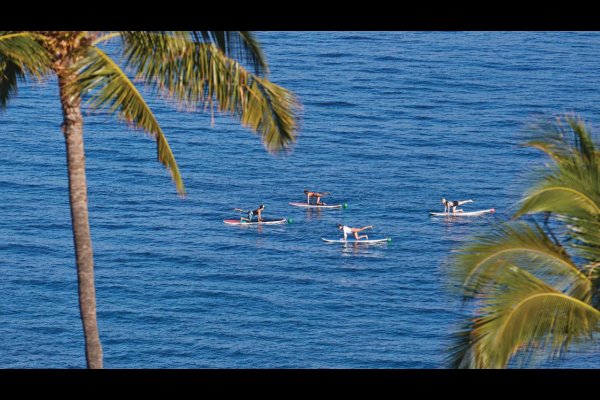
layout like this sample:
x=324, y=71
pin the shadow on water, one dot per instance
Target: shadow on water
x=362, y=249
x=315, y=214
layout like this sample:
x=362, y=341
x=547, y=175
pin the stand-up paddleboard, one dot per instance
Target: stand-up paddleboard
x=326, y=206
x=356, y=241
x=463, y=214
x=265, y=221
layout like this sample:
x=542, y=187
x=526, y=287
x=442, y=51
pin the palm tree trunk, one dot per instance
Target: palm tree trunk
x=73, y=130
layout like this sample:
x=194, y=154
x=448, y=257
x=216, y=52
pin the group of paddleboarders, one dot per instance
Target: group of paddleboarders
x=346, y=230
x=316, y=197
x=251, y=213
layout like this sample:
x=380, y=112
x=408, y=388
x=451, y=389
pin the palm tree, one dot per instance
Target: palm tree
x=536, y=294
x=196, y=69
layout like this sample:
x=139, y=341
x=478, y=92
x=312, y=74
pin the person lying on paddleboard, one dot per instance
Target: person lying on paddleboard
x=252, y=213
x=447, y=204
x=317, y=195
x=348, y=230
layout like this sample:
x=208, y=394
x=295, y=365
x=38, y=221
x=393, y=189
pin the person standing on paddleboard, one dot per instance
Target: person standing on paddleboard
x=447, y=204
x=317, y=195
x=348, y=230
x=252, y=213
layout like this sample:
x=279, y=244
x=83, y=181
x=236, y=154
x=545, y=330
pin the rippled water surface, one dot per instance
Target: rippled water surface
x=391, y=122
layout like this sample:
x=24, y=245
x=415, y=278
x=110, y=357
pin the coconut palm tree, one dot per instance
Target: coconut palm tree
x=197, y=69
x=534, y=294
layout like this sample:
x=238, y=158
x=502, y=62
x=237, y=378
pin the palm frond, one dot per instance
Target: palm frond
x=112, y=90
x=463, y=350
x=105, y=37
x=562, y=137
x=240, y=45
x=10, y=73
x=522, y=313
x=482, y=262
x=585, y=237
x=571, y=190
x=573, y=186
x=534, y=299
x=582, y=137
x=20, y=55
x=559, y=198
x=201, y=75
x=22, y=49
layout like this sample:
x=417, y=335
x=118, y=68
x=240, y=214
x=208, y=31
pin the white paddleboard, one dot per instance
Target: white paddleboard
x=315, y=205
x=263, y=222
x=463, y=214
x=356, y=241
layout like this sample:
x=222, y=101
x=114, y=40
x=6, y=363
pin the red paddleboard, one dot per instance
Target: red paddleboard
x=263, y=222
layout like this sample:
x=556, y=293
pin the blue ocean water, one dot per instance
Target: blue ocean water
x=391, y=122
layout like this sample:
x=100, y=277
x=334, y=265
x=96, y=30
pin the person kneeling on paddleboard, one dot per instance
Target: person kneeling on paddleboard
x=348, y=230
x=318, y=195
x=448, y=204
x=251, y=213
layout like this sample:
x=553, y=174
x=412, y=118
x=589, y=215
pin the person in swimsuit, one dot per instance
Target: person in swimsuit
x=251, y=213
x=453, y=204
x=316, y=195
x=353, y=231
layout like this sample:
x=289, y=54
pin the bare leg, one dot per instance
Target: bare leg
x=356, y=230
x=248, y=218
x=460, y=203
x=360, y=237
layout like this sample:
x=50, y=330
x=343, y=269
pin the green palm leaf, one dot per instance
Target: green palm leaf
x=533, y=297
x=240, y=45
x=463, y=350
x=201, y=75
x=20, y=55
x=522, y=313
x=22, y=49
x=112, y=90
x=572, y=188
x=480, y=263
x=559, y=199
x=585, y=235
x=10, y=73
x=562, y=138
